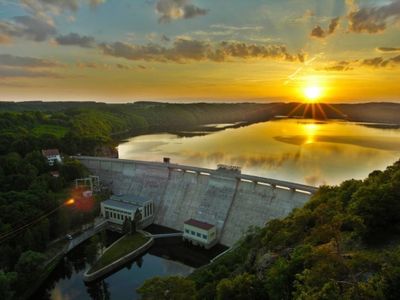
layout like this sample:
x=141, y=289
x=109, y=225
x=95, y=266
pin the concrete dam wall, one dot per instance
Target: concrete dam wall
x=225, y=198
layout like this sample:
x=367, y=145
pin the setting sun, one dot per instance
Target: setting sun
x=312, y=93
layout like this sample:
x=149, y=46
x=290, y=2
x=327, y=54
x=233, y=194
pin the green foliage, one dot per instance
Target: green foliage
x=72, y=169
x=6, y=280
x=243, y=286
x=54, y=130
x=29, y=267
x=343, y=244
x=166, y=288
x=122, y=247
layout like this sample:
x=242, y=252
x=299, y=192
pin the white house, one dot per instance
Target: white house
x=52, y=156
x=121, y=207
x=200, y=233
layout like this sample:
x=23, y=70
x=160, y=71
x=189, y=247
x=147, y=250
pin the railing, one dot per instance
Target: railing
x=166, y=235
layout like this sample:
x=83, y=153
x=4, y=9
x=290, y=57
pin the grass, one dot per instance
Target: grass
x=123, y=247
x=56, y=130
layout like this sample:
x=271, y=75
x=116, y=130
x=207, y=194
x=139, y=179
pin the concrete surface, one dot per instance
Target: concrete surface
x=231, y=201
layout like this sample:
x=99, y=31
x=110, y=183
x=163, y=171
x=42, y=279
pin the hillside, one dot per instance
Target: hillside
x=343, y=244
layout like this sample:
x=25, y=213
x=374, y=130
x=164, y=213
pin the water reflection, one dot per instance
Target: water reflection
x=169, y=256
x=303, y=151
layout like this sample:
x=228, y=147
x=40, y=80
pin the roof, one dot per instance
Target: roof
x=130, y=198
x=122, y=205
x=199, y=224
x=50, y=152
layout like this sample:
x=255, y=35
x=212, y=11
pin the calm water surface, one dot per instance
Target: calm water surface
x=168, y=257
x=303, y=151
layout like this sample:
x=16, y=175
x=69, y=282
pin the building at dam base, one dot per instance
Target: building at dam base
x=224, y=198
x=200, y=233
x=121, y=207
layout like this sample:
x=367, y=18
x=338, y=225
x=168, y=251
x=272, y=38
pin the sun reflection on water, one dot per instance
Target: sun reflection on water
x=310, y=131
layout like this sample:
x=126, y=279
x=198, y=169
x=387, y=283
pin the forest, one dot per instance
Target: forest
x=31, y=194
x=343, y=244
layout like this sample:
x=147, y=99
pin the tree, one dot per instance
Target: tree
x=72, y=169
x=243, y=286
x=136, y=219
x=166, y=288
x=28, y=267
x=127, y=226
x=6, y=280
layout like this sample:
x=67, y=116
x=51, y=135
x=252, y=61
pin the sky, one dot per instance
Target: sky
x=199, y=50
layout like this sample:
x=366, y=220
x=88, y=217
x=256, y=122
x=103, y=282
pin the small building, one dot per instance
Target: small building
x=121, y=207
x=200, y=233
x=55, y=174
x=52, y=156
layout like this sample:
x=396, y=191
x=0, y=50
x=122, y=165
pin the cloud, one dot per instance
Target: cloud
x=388, y=49
x=24, y=61
x=185, y=50
x=12, y=66
x=95, y=3
x=28, y=27
x=5, y=39
x=236, y=28
x=339, y=66
x=333, y=25
x=45, y=7
x=170, y=10
x=90, y=65
x=74, y=39
x=380, y=62
x=318, y=32
x=6, y=72
x=56, y=7
x=374, y=19
x=375, y=62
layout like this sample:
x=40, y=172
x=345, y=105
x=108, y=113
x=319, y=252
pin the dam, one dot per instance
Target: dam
x=224, y=197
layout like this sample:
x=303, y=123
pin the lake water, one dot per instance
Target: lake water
x=303, y=151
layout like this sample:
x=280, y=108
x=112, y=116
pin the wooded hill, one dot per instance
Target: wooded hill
x=343, y=244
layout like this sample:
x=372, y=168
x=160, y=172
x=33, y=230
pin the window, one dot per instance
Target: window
x=204, y=236
x=198, y=234
x=187, y=231
x=193, y=233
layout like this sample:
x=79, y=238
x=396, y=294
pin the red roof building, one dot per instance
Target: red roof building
x=52, y=155
x=200, y=233
x=50, y=152
x=199, y=224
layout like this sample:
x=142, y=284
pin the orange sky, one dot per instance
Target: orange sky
x=199, y=50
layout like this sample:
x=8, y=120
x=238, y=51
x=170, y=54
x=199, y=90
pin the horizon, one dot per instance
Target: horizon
x=170, y=101
x=184, y=50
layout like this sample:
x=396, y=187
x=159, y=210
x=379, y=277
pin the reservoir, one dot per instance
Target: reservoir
x=298, y=150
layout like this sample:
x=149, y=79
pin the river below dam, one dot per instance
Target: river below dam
x=168, y=256
x=298, y=150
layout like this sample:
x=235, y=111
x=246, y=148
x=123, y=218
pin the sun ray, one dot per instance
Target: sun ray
x=336, y=110
x=322, y=111
x=295, y=109
x=307, y=105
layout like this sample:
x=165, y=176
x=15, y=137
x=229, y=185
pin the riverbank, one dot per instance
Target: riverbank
x=124, y=249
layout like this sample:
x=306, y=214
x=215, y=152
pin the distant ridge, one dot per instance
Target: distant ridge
x=374, y=112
